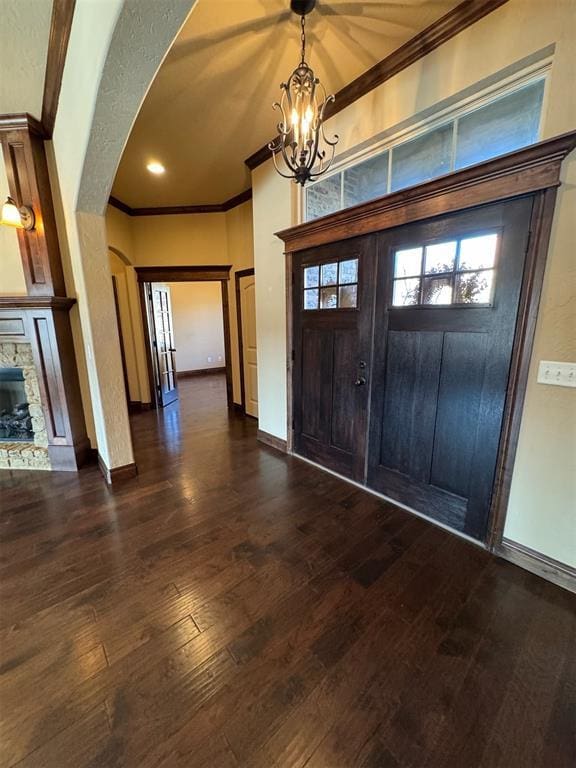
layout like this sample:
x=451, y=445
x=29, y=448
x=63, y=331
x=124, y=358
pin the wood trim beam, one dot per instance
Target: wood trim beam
x=455, y=21
x=173, y=210
x=522, y=172
x=182, y=274
x=36, y=302
x=21, y=121
x=60, y=28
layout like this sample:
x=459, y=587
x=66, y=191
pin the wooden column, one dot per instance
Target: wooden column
x=43, y=315
x=29, y=184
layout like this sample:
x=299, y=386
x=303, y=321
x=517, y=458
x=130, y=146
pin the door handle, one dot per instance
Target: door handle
x=360, y=381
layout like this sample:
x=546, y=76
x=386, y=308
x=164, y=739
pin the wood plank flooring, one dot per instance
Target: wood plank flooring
x=233, y=606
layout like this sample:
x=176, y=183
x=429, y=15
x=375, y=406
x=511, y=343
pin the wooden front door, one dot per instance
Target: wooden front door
x=446, y=303
x=249, y=351
x=333, y=298
x=163, y=346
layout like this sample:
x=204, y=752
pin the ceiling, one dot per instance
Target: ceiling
x=24, y=32
x=210, y=106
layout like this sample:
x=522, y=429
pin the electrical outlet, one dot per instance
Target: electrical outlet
x=558, y=374
x=220, y=358
x=209, y=359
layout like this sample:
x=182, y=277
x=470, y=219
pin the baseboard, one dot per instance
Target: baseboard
x=199, y=372
x=272, y=441
x=238, y=408
x=69, y=458
x=535, y=562
x=117, y=474
x=137, y=406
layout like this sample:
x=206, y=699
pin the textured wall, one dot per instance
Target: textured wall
x=12, y=281
x=125, y=42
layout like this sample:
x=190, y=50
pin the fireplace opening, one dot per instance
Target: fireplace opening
x=15, y=419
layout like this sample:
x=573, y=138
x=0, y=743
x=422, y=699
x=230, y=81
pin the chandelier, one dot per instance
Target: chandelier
x=301, y=141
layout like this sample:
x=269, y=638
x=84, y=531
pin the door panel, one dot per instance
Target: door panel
x=163, y=345
x=332, y=339
x=413, y=370
x=440, y=372
x=249, y=352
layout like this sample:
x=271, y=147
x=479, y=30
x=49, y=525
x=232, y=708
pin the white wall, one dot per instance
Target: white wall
x=198, y=325
x=542, y=508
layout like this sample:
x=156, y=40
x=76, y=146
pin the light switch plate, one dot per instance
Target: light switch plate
x=558, y=374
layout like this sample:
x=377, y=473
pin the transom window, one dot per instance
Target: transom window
x=331, y=286
x=443, y=273
x=473, y=134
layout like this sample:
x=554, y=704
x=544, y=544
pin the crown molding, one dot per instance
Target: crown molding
x=459, y=18
x=172, y=210
x=37, y=302
x=523, y=172
x=21, y=121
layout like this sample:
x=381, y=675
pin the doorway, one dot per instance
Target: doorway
x=402, y=348
x=246, y=316
x=158, y=321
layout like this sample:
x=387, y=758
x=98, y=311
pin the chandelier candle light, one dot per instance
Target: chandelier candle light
x=301, y=140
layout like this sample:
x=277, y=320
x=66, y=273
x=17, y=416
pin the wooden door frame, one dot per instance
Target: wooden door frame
x=237, y=277
x=186, y=274
x=533, y=171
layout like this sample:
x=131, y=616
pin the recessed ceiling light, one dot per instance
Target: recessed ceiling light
x=156, y=168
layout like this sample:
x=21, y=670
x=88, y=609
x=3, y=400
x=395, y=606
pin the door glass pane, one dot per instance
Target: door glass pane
x=507, y=124
x=348, y=271
x=311, y=298
x=328, y=298
x=474, y=287
x=329, y=274
x=478, y=252
x=422, y=159
x=408, y=263
x=311, y=277
x=366, y=180
x=406, y=292
x=437, y=290
x=347, y=296
x=440, y=257
x=323, y=197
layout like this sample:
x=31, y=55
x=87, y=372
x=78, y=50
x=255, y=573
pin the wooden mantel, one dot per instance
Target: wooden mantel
x=525, y=171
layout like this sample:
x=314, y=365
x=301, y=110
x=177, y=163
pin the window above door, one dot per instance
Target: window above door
x=492, y=125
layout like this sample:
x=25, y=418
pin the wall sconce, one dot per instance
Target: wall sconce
x=21, y=218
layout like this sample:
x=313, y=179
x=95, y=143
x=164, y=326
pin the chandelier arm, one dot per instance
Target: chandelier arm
x=284, y=175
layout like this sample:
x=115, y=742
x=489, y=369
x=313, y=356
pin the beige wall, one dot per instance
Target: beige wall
x=179, y=240
x=12, y=282
x=198, y=325
x=542, y=507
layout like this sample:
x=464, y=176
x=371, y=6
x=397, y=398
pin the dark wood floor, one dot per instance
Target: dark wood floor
x=235, y=607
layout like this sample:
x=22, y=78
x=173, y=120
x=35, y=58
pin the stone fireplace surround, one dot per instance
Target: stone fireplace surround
x=35, y=335
x=25, y=454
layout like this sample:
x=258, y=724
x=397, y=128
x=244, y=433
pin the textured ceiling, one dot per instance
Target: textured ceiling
x=210, y=105
x=24, y=32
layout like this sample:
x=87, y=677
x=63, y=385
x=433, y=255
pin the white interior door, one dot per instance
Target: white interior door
x=248, y=306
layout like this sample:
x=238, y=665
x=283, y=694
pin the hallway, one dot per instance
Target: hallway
x=232, y=606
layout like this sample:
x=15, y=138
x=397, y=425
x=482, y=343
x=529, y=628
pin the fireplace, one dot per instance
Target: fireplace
x=15, y=419
x=23, y=436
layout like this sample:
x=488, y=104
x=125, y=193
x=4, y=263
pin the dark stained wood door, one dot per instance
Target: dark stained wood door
x=333, y=300
x=163, y=345
x=446, y=303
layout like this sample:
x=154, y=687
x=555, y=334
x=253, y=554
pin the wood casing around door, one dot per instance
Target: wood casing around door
x=533, y=172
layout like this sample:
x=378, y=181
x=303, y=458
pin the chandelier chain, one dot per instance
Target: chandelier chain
x=303, y=37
